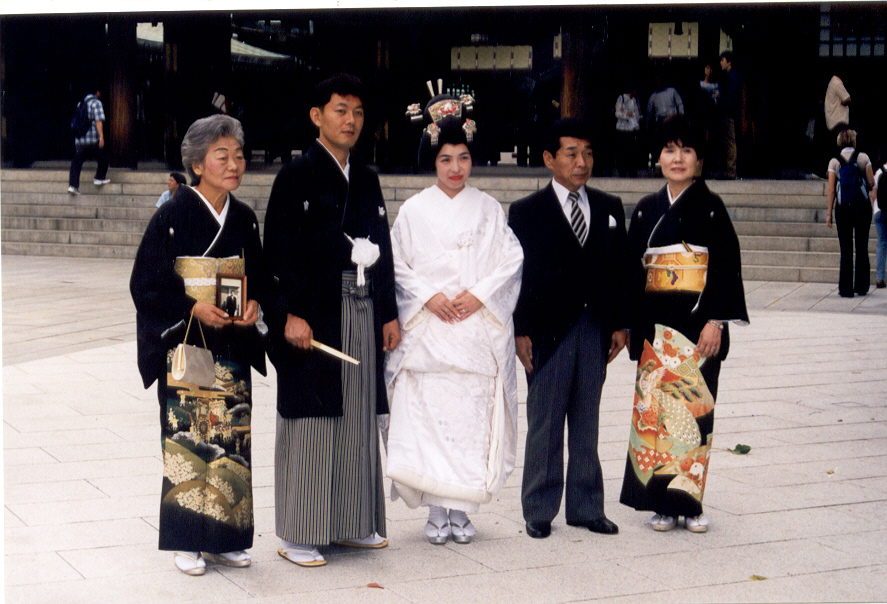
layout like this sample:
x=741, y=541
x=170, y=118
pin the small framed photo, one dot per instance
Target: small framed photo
x=231, y=294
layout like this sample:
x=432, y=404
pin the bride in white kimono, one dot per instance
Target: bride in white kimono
x=452, y=383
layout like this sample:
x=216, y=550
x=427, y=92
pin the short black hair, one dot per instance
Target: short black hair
x=570, y=127
x=727, y=54
x=680, y=129
x=343, y=84
x=178, y=177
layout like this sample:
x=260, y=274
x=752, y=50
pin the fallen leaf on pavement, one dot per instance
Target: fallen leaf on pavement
x=740, y=450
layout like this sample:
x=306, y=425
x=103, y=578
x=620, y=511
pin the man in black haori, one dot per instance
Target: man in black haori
x=328, y=244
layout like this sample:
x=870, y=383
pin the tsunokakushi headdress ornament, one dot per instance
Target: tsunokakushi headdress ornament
x=446, y=122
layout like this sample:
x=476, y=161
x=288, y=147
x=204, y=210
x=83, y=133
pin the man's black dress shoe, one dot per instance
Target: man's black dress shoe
x=538, y=529
x=599, y=525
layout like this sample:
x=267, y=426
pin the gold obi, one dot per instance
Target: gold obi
x=200, y=274
x=677, y=267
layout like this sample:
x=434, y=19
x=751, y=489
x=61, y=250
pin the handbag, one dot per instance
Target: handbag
x=192, y=364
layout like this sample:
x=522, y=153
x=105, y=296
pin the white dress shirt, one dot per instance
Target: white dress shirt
x=567, y=206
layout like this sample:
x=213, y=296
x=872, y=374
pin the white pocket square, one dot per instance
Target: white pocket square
x=612, y=222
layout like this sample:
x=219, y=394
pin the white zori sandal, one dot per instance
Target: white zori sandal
x=374, y=541
x=190, y=563
x=238, y=559
x=699, y=524
x=462, y=528
x=301, y=555
x=437, y=529
x=663, y=523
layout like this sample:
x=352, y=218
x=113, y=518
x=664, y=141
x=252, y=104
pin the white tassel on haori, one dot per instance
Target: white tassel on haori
x=364, y=254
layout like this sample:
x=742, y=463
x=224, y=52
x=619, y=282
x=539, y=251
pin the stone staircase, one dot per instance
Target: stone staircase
x=781, y=224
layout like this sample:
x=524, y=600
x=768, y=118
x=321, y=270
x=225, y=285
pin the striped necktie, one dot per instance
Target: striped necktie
x=577, y=220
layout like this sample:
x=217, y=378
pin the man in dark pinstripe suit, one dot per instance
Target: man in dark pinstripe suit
x=569, y=323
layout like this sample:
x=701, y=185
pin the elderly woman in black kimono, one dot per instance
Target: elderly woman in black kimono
x=206, y=508
x=685, y=285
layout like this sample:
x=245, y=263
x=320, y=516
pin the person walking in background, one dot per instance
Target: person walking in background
x=730, y=107
x=837, y=106
x=662, y=105
x=849, y=180
x=685, y=283
x=568, y=324
x=628, y=128
x=91, y=144
x=707, y=112
x=452, y=385
x=328, y=244
x=880, y=220
x=176, y=179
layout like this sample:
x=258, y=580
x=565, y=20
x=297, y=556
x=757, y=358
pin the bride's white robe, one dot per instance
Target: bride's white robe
x=453, y=387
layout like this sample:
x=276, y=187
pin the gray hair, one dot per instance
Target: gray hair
x=203, y=133
x=847, y=138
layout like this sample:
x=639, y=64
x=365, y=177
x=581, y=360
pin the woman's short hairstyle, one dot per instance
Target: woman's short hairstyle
x=847, y=138
x=680, y=130
x=203, y=133
x=178, y=177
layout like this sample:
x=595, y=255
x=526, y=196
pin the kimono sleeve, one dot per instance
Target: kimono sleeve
x=413, y=289
x=158, y=292
x=723, y=298
x=500, y=287
x=284, y=242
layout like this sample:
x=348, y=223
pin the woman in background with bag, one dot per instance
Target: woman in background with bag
x=849, y=180
x=206, y=509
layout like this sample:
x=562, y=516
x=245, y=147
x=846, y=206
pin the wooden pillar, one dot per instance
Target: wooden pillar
x=121, y=127
x=570, y=91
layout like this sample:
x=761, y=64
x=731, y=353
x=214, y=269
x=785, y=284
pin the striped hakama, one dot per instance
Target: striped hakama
x=328, y=472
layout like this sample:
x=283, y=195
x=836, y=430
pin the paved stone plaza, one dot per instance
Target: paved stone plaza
x=801, y=518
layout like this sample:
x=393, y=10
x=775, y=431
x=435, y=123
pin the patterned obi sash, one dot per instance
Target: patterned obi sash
x=199, y=274
x=678, y=267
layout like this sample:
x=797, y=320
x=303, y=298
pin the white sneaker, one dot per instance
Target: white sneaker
x=238, y=559
x=190, y=563
x=663, y=523
x=101, y=181
x=699, y=524
x=73, y=191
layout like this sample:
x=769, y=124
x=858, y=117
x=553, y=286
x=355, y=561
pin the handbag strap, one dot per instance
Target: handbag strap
x=199, y=326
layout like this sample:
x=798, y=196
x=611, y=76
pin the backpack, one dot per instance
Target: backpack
x=80, y=123
x=852, y=191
